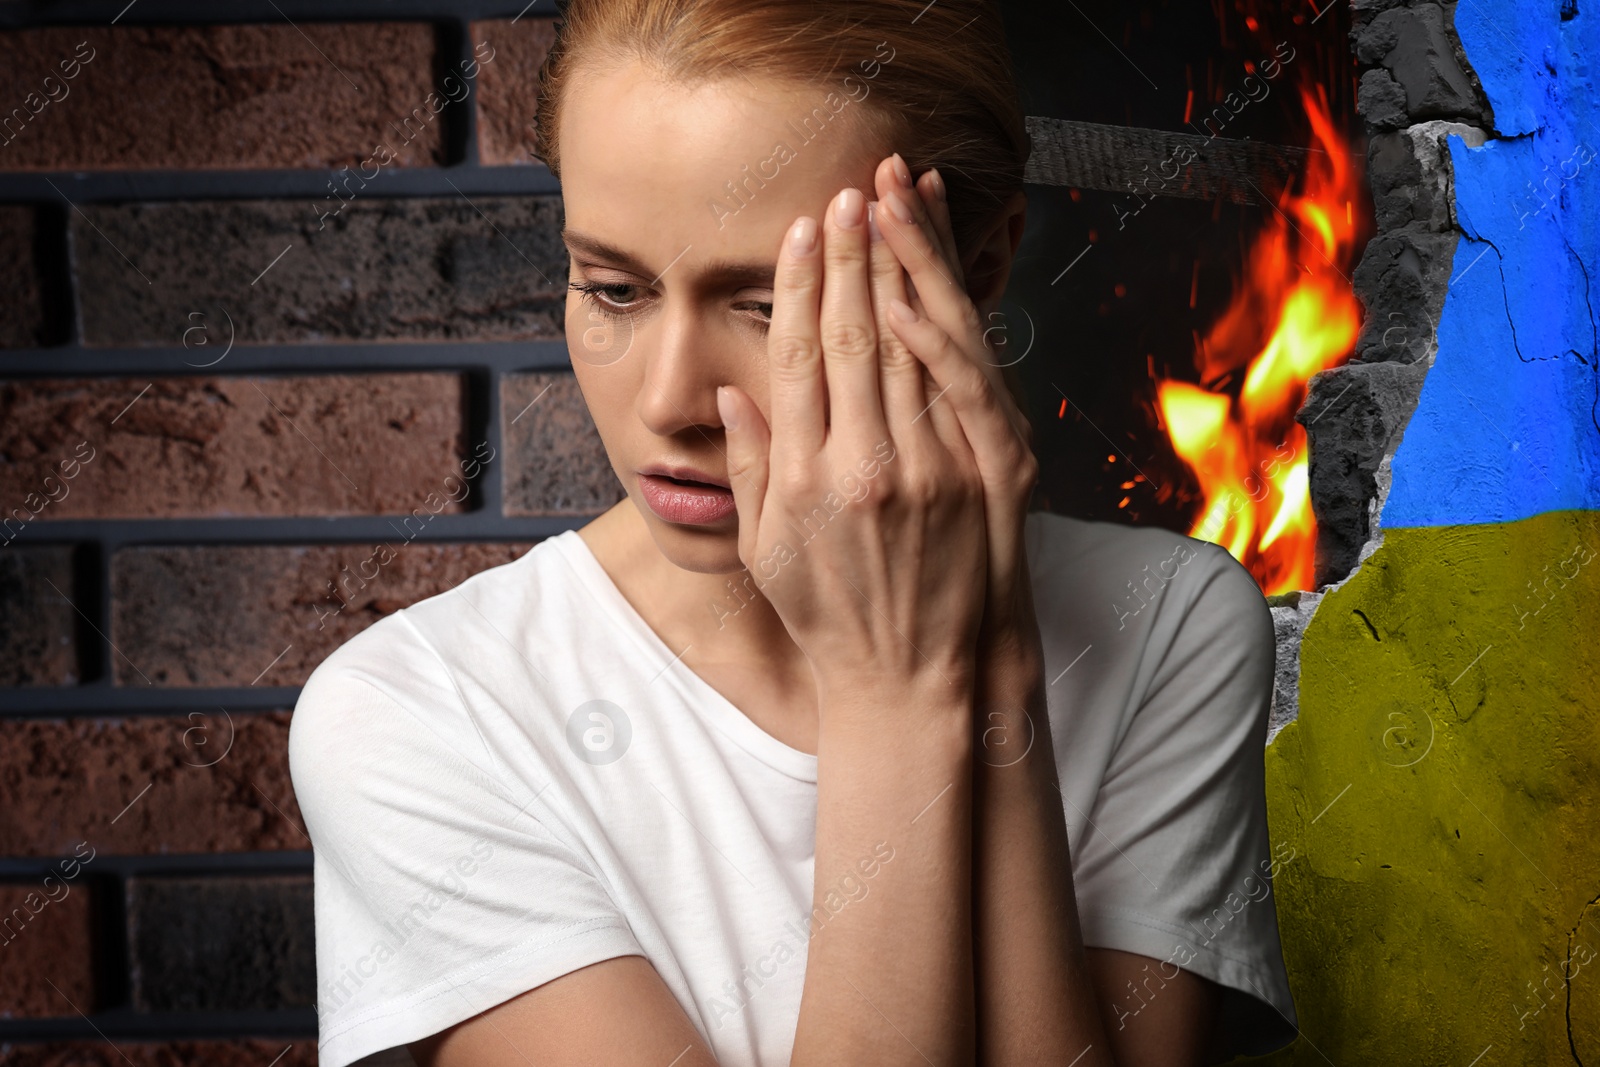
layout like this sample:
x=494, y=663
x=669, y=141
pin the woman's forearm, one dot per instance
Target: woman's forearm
x=1034, y=1001
x=889, y=976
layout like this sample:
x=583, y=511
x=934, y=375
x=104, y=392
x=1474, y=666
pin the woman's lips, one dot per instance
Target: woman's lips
x=694, y=505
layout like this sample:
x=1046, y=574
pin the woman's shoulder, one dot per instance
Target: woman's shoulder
x=1123, y=571
x=395, y=687
x=1143, y=604
x=500, y=596
x=450, y=626
x=375, y=700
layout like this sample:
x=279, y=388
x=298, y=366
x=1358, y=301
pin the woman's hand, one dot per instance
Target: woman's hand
x=861, y=507
x=949, y=336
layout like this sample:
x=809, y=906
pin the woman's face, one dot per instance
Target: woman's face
x=676, y=202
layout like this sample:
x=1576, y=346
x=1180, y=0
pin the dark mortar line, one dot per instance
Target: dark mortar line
x=105, y=700
x=58, y=292
x=99, y=653
x=165, y=1026
x=268, y=531
x=175, y=865
x=98, y=541
x=288, y=358
x=113, y=971
x=88, y=581
x=491, y=483
x=464, y=126
x=310, y=185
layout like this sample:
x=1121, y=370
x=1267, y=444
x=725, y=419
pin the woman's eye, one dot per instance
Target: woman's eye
x=621, y=300
x=762, y=308
x=608, y=298
x=765, y=309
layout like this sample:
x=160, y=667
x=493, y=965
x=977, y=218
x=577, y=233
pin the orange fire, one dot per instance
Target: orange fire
x=1292, y=314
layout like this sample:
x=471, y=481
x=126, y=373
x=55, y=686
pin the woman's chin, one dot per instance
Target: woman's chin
x=712, y=549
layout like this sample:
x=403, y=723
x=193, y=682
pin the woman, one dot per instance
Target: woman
x=819, y=748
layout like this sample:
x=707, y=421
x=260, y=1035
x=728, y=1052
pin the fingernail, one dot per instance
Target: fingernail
x=803, y=236
x=872, y=221
x=897, y=208
x=850, y=208
x=938, y=184
x=901, y=171
x=726, y=410
x=902, y=310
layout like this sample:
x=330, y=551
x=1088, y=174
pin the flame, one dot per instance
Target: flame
x=1292, y=314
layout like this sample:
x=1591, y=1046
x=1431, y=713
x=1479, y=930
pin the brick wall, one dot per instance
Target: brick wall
x=271, y=286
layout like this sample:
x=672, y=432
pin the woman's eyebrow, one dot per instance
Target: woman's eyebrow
x=740, y=272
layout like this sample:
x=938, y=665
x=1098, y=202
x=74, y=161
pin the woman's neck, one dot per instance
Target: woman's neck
x=710, y=619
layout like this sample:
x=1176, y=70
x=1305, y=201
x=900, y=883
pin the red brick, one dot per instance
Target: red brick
x=507, y=96
x=346, y=267
x=217, y=781
x=218, y=97
x=45, y=937
x=22, y=312
x=38, y=626
x=555, y=462
x=255, y=1052
x=199, y=446
x=267, y=615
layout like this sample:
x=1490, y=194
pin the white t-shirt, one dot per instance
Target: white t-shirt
x=516, y=778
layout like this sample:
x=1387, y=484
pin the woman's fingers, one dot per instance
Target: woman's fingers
x=948, y=337
x=1001, y=453
x=794, y=345
x=1006, y=465
x=921, y=245
x=747, y=440
x=849, y=332
x=910, y=234
x=932, y=189
x=899, y=372
x=897, y=585
x=909, y=397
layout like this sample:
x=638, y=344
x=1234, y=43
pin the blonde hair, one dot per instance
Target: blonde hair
x=947, y=98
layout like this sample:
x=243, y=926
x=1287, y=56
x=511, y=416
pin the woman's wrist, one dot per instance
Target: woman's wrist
x=1011, y=721
x=919, y=674
x=1011, y=657
x=1009, y=632
x=928, y=699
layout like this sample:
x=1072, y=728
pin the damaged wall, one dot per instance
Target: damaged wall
x=1437, y=772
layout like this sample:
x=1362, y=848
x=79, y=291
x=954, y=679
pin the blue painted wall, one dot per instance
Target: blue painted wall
x=1509, y=421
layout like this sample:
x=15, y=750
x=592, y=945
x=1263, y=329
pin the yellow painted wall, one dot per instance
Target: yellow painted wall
x=1441, y=788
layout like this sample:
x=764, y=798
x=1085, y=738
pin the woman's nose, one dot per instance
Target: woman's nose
x=683, y=368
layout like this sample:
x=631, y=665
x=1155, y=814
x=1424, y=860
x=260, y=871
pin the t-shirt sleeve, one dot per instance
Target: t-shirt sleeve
x=438, y=890
x=1176, y=863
